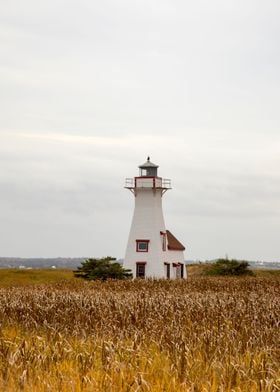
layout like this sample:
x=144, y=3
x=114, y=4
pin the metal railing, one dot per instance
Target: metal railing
x=129, y=183
x=165, y=183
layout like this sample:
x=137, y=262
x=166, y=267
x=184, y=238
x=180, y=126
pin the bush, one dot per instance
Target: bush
x=229, y=268
x=102, y=269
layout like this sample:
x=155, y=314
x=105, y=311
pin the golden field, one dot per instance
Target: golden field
x=203, y=334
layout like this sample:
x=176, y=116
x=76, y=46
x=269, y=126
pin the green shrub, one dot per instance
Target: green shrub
x=93, y=269
x=231, y=267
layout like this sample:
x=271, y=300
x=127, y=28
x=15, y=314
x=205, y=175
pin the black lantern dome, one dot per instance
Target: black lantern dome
x=148, y=169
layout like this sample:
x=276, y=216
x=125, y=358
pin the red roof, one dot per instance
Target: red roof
x=173, y=243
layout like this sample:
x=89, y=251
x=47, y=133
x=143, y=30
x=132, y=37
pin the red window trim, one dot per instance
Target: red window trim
x=146, y=242
x=167, y=263
x=141, y=262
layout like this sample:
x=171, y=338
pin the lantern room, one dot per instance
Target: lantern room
x=148, y=178
x=148, y=169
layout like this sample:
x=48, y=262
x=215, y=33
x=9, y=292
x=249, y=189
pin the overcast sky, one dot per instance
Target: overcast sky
x=88, y=89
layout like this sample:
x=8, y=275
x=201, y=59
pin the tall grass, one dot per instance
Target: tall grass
x=204, y=334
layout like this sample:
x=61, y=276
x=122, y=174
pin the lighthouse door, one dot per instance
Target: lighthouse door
x=178, y=270
x=140, y=270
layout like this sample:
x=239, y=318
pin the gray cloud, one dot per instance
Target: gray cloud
x=86, y=92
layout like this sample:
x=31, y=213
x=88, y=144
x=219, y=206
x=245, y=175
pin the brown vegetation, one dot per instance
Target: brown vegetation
x=204, y=334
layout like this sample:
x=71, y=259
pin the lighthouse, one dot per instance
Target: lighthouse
x=152, y=251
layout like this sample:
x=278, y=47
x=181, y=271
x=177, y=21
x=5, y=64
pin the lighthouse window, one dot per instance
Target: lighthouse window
x=182, y=271
x=178, y=269
x=167, y=270
x=163, y=240
x=142, y=245
x=140, y=270
x=143, y=172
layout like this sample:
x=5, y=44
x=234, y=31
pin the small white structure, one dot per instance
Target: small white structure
x=152, y=251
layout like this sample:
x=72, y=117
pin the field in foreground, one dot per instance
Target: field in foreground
x=204, y=334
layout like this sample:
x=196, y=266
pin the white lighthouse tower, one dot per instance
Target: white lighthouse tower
x=152, y=251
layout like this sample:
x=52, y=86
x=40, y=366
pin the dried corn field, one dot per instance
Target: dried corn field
x=204, y=334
